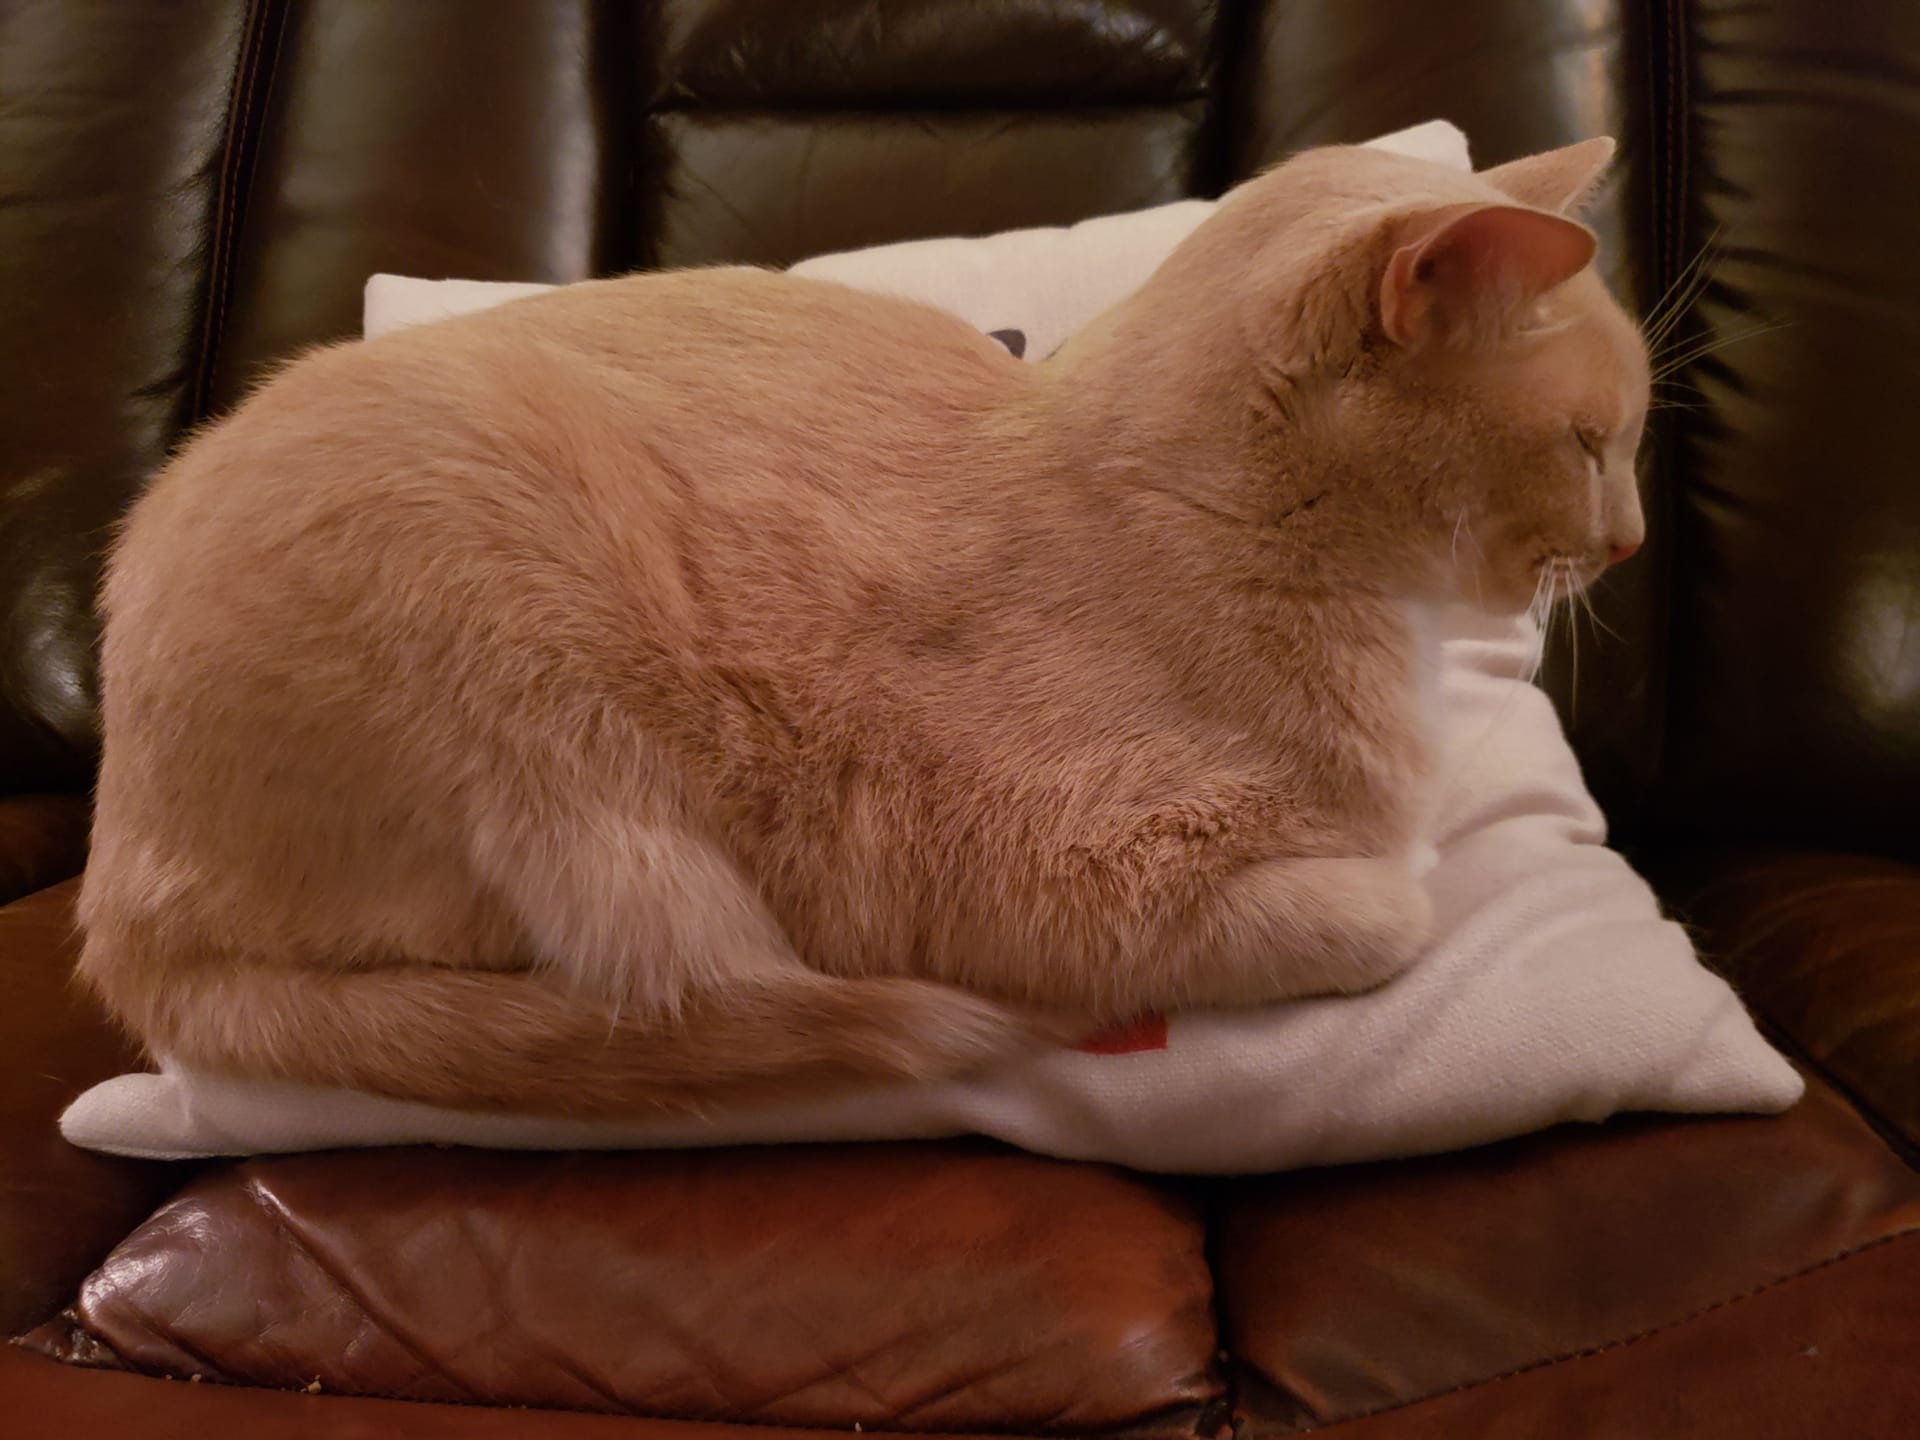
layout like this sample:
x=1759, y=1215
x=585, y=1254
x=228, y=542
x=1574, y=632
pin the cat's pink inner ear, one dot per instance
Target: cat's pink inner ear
x=1468, y=265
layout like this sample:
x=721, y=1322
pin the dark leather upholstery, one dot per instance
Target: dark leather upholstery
x=959, y=1287
x=61, y=1209
x=357, y=157
x=1793, y=711
x=190, y=191
x=43, y=839
x=1826, y=948
x=1827, y=1352
x=111, y=141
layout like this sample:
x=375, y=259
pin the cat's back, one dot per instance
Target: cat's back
x=605, y=409
x=817, y=336
x=729, y=352
x=616, y=475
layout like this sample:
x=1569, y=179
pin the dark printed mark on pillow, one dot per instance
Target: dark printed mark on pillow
x=1014, y=340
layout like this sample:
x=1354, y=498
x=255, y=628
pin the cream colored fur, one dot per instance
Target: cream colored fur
x=678, y=690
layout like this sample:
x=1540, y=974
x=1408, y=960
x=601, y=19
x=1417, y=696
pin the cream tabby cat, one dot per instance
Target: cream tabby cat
x=681, y=689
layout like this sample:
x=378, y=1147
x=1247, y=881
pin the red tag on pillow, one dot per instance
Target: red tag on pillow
x=1149, y=1032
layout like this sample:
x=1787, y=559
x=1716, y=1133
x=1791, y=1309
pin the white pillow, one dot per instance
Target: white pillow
x=1553, y=989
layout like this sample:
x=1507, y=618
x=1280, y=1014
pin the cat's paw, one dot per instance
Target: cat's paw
x=1423, y=859
x=1294, y=928
x=1381, y=920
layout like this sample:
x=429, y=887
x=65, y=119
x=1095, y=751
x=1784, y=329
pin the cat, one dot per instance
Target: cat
x=689, y=689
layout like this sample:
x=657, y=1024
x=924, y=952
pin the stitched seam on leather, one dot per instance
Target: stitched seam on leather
x=1671, y=196
x=235, y=170
x=1607, y=1346
x=1676, y=107
x=1223, y=83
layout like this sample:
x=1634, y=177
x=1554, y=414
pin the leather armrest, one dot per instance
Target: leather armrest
x=61, y=1209
x=1826, y=950
x=43, y=840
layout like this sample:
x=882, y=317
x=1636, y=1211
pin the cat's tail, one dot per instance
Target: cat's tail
x=510, y=1042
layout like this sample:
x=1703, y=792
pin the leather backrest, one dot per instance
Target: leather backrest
x=1793, y=691
x=194, y=190
x=113, y=182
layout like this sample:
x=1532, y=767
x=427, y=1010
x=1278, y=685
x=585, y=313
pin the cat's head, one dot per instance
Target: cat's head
x=1444, y=340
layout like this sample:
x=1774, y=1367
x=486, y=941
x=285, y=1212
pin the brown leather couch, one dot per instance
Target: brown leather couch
x=191, y=188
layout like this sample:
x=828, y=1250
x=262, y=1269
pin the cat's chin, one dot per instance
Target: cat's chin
x=1554, y=582
x=1536, y=600
x=1456, y=609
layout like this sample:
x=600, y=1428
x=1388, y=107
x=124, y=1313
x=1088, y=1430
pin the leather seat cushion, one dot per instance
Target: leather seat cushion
x=909, y=1287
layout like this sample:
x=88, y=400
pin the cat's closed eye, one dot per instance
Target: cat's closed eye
x=1592, y=441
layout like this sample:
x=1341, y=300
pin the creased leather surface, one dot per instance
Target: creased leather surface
x=770, y=189
x=113, y=120
x=1826, y=948
x=1350, y=1291
x=1794, y=714
x=737, y=54
x=916, y=1287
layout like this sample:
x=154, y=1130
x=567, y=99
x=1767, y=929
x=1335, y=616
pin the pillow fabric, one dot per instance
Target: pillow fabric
x=1553, y=989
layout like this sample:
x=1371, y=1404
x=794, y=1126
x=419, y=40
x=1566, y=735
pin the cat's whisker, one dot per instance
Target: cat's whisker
x=1663, y=391
x=1663, y=395
x=1690, y=354
x=1549, y=579
x=1539, y=611
x=1669, y=365
x=1593, y=616
x=1460, y=527
x=1453, y=552
x=1681, y=293
x=1690, y=281
x=1563, y=573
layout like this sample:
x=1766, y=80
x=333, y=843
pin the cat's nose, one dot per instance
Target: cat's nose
x=1625, y=551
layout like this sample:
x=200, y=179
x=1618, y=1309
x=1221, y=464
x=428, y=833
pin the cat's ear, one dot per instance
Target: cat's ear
x=1558, y=180
x=1464, y=269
